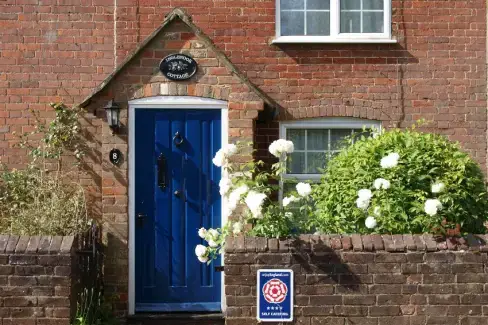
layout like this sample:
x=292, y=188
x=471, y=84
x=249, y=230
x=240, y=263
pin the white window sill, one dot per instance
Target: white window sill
x=321, y=39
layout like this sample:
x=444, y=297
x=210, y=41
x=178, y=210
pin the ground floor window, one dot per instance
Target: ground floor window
x=316, y=142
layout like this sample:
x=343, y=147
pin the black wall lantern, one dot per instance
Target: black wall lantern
x=113, y=115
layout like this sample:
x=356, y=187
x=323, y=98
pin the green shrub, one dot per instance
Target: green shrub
x=37, y=202
x=46, y=201
x=424, y=160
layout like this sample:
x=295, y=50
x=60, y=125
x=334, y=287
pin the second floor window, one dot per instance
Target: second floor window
x=333, y=20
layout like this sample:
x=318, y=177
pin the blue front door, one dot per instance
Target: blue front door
x=176, y=193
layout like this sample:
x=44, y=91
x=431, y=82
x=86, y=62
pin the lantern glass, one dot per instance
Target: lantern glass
x=109, y=112
x=113, y=114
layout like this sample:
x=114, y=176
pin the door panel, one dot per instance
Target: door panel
x=168, y=275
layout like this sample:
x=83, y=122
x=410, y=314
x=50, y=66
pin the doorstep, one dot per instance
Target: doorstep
x=176, y=319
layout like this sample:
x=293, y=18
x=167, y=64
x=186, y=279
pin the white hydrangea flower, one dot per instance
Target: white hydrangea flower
x=225, y=184
x=254, y=201
x=370, y=222
x=289, y=199
x=219, y=160
x=200, y=250
x=228, y=210
x=212, y=233
x=229, y=150
x=223, y=154
x=365, y=194
x=237, y=228
x=202, y=232
x=390, y=161
x=381, y=183
x=362, y=203
x=438, y=187
x=234, y=198
x=432, y=206
x=304, y=189
x=212, y=243
x=377, y=211
x=280, y=146
x=203, y=259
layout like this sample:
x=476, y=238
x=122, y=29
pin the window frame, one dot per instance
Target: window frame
x=323, y=123
x=335, y=35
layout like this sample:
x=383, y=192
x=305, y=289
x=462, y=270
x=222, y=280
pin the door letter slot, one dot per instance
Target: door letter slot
x=162, y=172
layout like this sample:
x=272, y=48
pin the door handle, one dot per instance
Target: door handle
x=162, y=171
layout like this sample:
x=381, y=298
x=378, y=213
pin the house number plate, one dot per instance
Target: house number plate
x=115, y=156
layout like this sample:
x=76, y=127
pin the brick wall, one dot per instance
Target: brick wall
x=61, y=50
x=367, y=280
x=36, y=279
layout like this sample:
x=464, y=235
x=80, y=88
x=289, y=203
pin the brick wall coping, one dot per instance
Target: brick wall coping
x=13, y=244
x=360, y=243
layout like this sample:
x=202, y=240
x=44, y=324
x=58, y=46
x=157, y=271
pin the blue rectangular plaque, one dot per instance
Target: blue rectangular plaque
x=275, y=295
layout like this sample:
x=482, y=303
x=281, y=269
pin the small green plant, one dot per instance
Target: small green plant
x=401, y=181
x=42, y=199
x=247, y=190
x=94, y=309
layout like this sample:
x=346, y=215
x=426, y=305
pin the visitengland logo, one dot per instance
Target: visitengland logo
x=275, y=291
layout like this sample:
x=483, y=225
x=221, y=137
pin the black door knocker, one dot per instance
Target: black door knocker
x=178, y=139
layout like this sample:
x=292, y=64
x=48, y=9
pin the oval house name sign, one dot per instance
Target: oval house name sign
x=178, y=67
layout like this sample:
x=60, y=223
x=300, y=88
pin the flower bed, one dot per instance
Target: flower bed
x=393, y=182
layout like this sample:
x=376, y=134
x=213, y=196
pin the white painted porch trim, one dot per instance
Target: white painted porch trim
x=165, y=102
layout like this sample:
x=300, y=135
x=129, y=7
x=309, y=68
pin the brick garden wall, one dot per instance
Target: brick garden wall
x=365, y=280
x=36, y=280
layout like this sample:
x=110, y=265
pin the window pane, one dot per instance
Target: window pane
x=350, y=22
x=316, y=161
x=351, y=4
x=317, y=139
x=296, y=136
x=373, y=4
x=297, y=163
x=318, y=4
x=292, y=23
x=318, y=23
x=337, y=137
x=292, y=4
x=373, y=22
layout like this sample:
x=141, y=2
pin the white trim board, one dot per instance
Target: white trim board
x=165, y=102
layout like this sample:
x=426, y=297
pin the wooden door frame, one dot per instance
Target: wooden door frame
x=160, y=103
